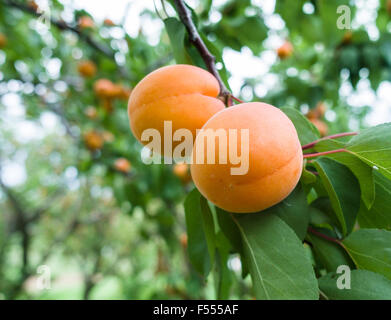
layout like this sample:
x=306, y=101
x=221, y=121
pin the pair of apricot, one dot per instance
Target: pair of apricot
x=187, y=96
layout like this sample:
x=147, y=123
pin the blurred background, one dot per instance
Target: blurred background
x=81, y=216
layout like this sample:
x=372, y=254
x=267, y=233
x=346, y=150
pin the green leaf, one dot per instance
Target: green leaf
x=365, y=285
x=294, y=211
x=359, y=168
x=329, y=253
x=223, y=274
x=232, y=233
x=373, y=146
x=306, y=130
x=176, y=32
x=379, y=216
x=200, y=231
x=229, y=228
x=278, y=263
x=343, y=190
x=370, y=249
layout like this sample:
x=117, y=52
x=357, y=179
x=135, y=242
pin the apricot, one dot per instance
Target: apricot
x=91, y=112
x=3, y=40
x=86, y=22
x=285, y=51
x=183, y=240
x=183, y=94
x=388, y=7
x=122, y=165
x=181, y=170
x=33, y=5
x=87, y=69
x=318, y=112
x=347, y=37
x=108, y=23
x=93, y=140
x=105, y=88
x=321, y=126
x=275, y=159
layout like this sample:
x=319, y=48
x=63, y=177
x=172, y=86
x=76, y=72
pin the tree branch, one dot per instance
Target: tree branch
x=195, y=38
x=62, y=25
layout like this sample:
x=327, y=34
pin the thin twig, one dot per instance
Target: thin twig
x=334, y=136
x=318, y=154
x=196, y=40
x=321, y=235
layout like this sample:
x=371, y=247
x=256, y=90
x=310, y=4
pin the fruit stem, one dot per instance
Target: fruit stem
x=321, y=235
x=334, y=136
x=237, y=99
x=195, y=38
x=317, y=154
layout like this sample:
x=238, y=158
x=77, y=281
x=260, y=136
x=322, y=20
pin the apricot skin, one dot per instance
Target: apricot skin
x=275, y=160
x=183, y=94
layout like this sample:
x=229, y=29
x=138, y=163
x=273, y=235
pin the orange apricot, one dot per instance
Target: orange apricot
x=285, y=51
x=347, y=37
x=91, y=112
x=93, y=140
x=181, y=170
x=108, y=23
x=183, y=240
x=3, y=40
x=274, y=158
x=86, y=22
x=318, y=112
x=33, y=5
x=183, y=94
x=321, y=126
x=104, y=88
x=122, y=165
x=87, y=69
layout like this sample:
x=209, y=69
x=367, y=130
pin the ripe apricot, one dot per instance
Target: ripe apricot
x=104, y=88
x=183, y=240
x=321, y=126
x=33, y=5
x=275, y=159
x=3, y=40
x=183, y=94
x=285, y=51
x=122, y=165
x=87, y=69
x=93, y=140
x=109, y=23
x=86, y=22
x=318, y=112
x=347, y=37
x=91, y=112
x=181, y=170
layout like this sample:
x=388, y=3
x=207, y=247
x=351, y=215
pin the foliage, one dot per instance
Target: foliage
x=141, y=233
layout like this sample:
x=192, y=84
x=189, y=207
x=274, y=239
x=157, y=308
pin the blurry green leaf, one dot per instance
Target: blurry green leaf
x=305, y=129
x=365, y=285
x=200, y=230
x=278, y=263
x=223, y=273
x=177, y=32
